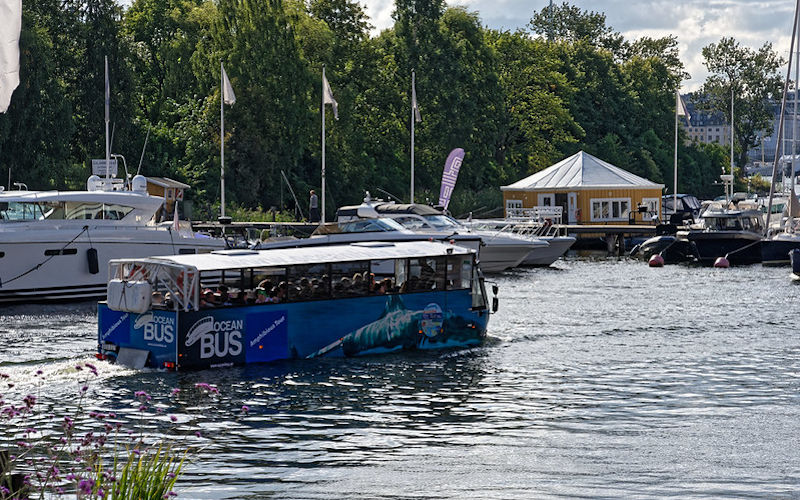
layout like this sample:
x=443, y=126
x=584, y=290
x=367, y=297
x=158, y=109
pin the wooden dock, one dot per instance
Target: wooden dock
x=610, y=237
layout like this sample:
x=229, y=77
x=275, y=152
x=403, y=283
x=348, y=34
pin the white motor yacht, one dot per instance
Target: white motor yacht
x=499, y=251
x=55, y=245
x=382, y=229
x=542, y=223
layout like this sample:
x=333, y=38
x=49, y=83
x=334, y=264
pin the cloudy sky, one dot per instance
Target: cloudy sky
x=695, y=22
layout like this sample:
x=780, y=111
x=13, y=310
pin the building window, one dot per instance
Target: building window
x=653, y=208
x=610, y=209
x=513, y=208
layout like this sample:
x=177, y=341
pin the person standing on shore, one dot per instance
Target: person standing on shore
x=313, y=207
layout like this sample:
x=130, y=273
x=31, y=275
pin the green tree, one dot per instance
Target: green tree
x=268, y=127
x=751, y=78
x=568, y=23
x=36, y=130
x=536, y=125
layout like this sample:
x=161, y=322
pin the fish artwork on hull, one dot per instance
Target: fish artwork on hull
x=400, y=328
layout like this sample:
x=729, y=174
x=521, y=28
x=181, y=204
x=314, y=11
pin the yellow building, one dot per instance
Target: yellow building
x=590, y=191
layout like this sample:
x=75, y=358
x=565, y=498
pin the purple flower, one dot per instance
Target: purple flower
x=202, y=385
x=245, y=408
x=91, y=368
x=78, y=367
x=85, y=486
x=198, y=434
x=175, y=391
x=142, y=407
x=4, y=375
x=84, y=388
x=39, y=372
x=70, y=477
x=29, y=400
x=173, y=418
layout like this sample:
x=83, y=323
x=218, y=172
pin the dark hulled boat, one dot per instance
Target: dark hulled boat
x=732, y=233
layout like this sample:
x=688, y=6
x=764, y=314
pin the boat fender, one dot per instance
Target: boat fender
x=656, y=261
x=91, y=258
x=722, y=263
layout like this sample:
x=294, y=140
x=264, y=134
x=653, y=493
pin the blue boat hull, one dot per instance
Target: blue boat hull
x=268, y=332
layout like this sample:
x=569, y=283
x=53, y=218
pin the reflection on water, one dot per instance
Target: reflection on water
x=601, y=378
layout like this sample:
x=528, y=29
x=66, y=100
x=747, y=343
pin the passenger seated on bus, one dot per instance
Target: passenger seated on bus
x=359, y=286
x=236, y=298
x=305, y=291
x=261, y=295
x=157, y=299
x=280, y=295
x=266, y=284
x=207, y=299
x=388, y=285
x=168, y=302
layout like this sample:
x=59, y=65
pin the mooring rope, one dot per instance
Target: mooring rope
x=45, y=261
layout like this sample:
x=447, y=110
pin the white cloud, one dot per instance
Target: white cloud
x=696, y=23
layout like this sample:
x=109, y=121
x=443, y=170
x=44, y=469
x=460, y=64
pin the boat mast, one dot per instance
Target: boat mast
x=730, y=196
x=781, y=119
x=790, y=222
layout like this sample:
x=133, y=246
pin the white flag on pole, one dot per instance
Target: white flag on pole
x=10, y=27
x=417, y=116
x=227, y=90
x=327, y=97
x=680, y=107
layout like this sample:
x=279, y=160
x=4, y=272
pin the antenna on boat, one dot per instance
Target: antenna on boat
x=390, y=195
x=141, y=158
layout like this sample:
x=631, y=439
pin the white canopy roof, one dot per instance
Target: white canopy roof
x=581, y=171
x=244, y=259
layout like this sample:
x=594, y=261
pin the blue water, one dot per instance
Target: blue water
x=599, y=378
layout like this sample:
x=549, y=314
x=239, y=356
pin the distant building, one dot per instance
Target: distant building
x=708, y=127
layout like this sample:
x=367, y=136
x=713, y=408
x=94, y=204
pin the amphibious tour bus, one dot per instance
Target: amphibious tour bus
x=233, y=307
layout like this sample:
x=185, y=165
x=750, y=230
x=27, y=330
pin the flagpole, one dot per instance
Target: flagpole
x=675, y=185
x=731, y=195
x=108, y=118
x=322, y=212
x=222, y=139
x=413, y=81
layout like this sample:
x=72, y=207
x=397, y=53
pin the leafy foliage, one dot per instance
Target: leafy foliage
x=516, y=102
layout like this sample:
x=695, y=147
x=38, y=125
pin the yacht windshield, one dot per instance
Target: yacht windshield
x=369, y=226
x=26, y=211
x=441, y=222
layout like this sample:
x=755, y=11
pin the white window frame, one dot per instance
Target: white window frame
x=549, y=197
x=513, y=208
x=623, y=216
x=653, y=208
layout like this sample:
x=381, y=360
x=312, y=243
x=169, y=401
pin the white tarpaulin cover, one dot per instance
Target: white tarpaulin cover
x=10, y=26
